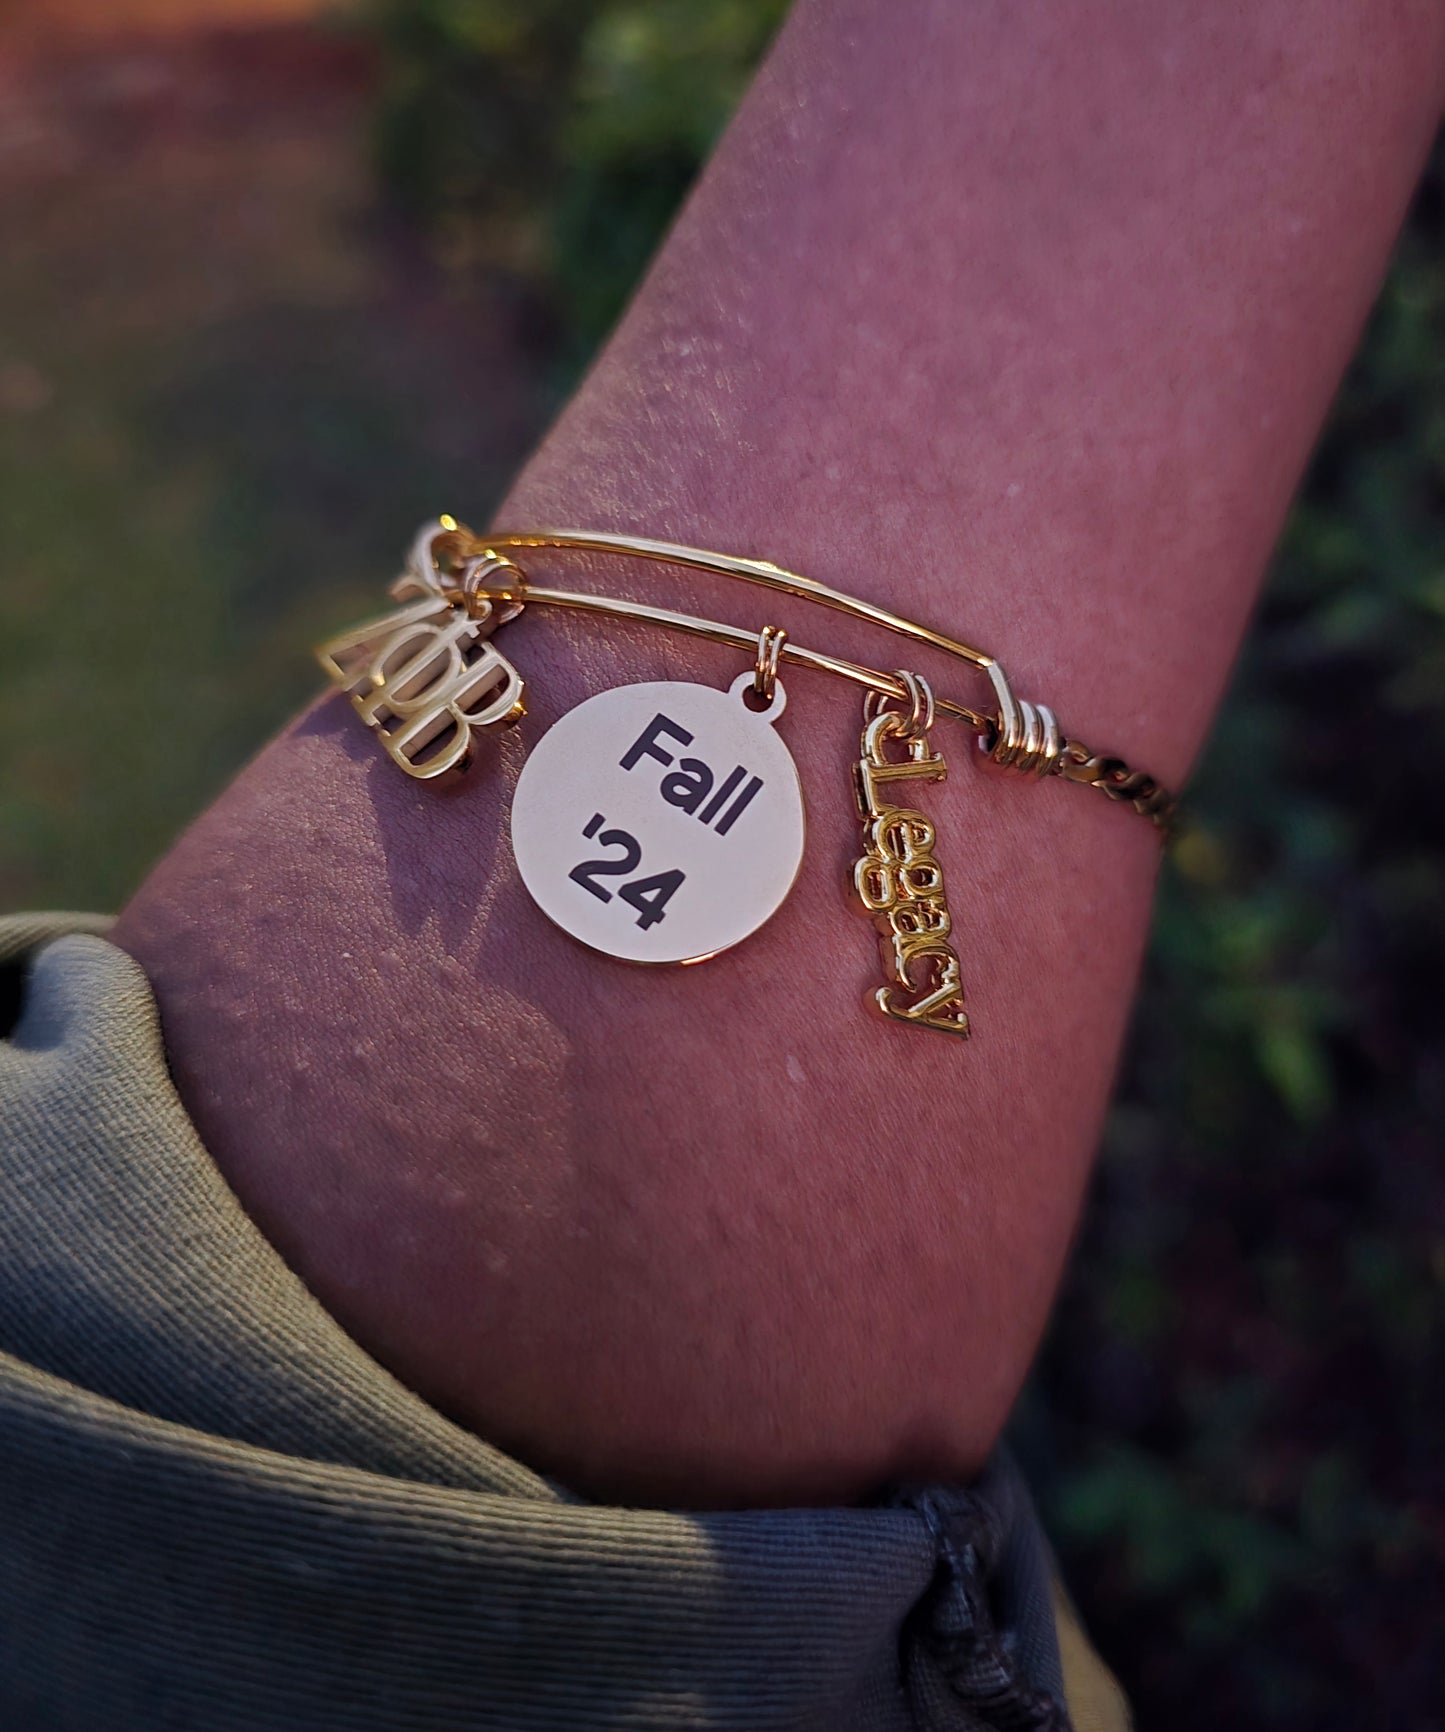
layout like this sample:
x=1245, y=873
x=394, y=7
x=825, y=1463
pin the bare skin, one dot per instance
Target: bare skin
x=1019, y=318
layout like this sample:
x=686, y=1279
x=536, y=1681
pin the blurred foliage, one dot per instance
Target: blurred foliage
x=216, y=412
x=1238, y=1416
x=1236, y=1423
x=561, y=137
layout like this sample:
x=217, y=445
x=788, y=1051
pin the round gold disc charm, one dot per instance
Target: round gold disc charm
x=661, y=822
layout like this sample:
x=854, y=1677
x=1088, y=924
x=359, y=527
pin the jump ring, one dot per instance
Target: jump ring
x=770, y=652
x=920, y=698
x=914, y=722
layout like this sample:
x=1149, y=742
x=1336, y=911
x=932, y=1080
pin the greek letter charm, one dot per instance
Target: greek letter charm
x=898, y=878
x=425, y=678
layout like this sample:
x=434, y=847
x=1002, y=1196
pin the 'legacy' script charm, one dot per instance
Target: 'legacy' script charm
x=660, y=822
x=900, y=882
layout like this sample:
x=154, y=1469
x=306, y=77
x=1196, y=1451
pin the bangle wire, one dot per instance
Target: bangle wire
x=1020, y=735
x=757, y=571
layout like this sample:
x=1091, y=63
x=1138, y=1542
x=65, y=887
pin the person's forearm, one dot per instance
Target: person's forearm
x=1017, y=317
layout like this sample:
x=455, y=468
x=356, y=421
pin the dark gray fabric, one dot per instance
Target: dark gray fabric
x=987, y=1625
x=217, y=1512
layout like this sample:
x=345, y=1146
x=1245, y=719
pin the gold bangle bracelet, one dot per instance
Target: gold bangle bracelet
x=1017, y=734
x=696, y=825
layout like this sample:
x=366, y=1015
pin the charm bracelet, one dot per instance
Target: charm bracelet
x=663, y=821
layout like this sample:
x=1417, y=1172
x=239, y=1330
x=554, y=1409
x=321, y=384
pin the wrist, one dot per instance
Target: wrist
x=482, y=1146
